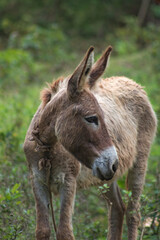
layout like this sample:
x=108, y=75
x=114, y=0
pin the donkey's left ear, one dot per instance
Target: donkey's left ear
x=78, y=79
x=99, y=67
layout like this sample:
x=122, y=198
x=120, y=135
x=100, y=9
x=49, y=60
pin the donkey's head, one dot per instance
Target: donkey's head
x=74, y=118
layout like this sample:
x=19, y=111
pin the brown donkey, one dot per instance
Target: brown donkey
x=108, y=125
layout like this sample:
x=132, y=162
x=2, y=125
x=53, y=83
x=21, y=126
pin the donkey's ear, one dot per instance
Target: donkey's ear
x=99, y=67
x=79, y=77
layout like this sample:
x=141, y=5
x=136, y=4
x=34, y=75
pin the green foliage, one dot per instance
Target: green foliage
x=104, y=188
x=126, y=196
x=82, y=18
x=17, y=216
x=12, y=223
x=45, y=44
x=156, y=10
x=39, y=40
x=93, y=220
x=16, y=66
x=131, y=37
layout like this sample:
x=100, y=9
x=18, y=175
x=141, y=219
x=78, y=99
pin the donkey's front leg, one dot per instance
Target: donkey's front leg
x=136, y=178
x=67, y=195
x=40, y=189
x=116, y=212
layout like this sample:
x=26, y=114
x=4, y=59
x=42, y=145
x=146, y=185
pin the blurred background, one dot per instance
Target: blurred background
x=41, y=40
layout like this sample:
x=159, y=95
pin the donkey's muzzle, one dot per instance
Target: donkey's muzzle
x=105, y=166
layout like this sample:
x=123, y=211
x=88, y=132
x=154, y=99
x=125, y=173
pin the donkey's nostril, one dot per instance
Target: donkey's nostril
x=115, y=166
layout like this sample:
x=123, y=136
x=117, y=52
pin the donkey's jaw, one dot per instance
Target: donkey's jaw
x=105, y=166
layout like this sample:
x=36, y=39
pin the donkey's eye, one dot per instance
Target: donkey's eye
x=92, y=119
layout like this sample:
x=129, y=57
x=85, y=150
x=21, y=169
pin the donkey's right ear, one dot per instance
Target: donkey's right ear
x=99, y=67
x=78, y=79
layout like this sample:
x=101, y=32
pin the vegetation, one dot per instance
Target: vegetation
x=40, y=40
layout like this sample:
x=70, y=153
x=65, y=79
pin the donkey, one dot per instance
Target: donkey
x=88, y=131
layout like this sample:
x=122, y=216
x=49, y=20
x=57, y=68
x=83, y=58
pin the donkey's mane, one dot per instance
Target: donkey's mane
x=52, y=89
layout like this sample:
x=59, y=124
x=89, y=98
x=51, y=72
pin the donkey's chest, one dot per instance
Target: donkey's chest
x=60, y=178
x=57, y=181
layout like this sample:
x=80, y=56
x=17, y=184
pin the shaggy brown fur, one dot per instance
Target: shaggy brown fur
x=59, y=135
x=46, y=93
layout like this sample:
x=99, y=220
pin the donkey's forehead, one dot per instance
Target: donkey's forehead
x=86, y=103
x=89, y=98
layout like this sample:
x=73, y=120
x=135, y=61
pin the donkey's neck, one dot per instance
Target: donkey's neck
x=44, y=129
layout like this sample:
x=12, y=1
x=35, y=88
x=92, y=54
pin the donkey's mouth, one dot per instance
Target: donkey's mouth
x=100, y=176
